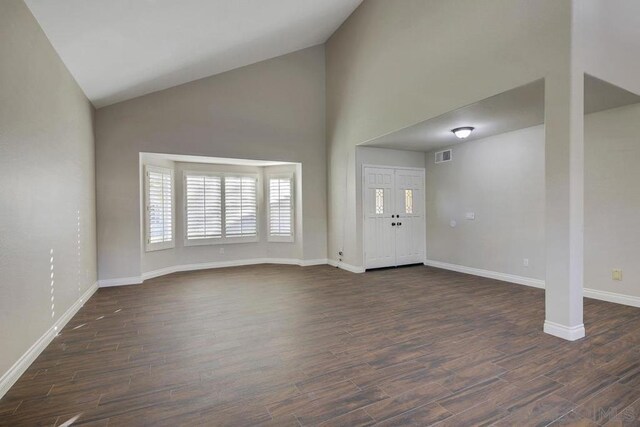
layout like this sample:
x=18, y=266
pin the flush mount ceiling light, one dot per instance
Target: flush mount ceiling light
x=462, y=132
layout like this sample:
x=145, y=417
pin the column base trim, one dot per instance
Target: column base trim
x=569, y=333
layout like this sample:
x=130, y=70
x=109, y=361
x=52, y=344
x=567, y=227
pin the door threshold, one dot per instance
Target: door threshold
x=393, y=267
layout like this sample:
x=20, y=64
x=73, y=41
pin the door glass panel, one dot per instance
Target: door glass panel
x=379, y=201
x=408, y=201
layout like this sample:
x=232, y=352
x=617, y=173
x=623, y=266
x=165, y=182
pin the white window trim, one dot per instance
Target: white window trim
x=281, y=239
x=150, y=247
x=221, y=240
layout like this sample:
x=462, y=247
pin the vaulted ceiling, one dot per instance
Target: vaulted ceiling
x=120, y=49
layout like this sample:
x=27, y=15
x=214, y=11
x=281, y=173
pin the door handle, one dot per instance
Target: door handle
x=393, y=224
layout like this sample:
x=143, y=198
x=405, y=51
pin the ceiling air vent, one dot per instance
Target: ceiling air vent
x=444, y=156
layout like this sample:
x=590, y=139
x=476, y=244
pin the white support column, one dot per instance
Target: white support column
x=564, y=175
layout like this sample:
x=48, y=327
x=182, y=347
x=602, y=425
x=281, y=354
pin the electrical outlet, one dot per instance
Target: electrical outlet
x=221, y=251
x=616, y=274
x=525, y=262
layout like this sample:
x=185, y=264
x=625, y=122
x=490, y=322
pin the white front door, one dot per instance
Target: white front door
x=379, y=189
x=410, y=233
x=393, y=205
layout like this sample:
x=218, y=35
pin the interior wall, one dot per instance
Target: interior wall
x=272, y=110
x=501, y=180
x=612, y=200
x=609, y=40
x=182, y=254
x=387, y=69
x=47, y=185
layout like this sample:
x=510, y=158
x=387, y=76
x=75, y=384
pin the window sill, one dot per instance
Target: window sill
x=152, y=247
x=281, y=239
x=221, y=241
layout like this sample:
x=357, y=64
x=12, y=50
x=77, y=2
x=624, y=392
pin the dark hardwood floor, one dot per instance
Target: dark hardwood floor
x=290, y=346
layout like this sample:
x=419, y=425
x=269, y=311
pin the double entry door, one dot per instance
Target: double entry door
x=393, y=208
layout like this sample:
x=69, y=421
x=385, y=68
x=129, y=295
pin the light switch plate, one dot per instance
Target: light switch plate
x=470, y=215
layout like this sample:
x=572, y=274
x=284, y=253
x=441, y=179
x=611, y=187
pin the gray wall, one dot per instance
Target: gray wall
x=272, y=110
x=47, y=186
x=608, y=32
x=612, y=200
x=387, y=69
x=501, y=179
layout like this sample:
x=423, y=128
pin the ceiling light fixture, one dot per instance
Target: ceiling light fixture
x=462, y=132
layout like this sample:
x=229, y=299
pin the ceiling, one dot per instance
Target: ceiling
x=518, y=108
x=120, y=49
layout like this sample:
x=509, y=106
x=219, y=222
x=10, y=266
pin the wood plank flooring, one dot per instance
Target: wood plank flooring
x=288, y=346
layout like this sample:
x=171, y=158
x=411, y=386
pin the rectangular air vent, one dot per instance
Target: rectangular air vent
x=444, y=156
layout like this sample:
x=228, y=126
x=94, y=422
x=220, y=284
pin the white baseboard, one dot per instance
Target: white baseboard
x=136, y=280
x=121, y=281
x=512, y=278
x=9, y=378
x=630, y=300
x=310, y=262
x=345, y=266
x=570, y=333
x=612, y=297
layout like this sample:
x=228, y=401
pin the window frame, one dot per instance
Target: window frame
x=281, y=239
x=151, y=247
x=224, y=240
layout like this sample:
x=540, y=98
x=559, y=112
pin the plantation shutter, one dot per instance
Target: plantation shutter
x=280, y=207
x=159, y=207
x=240, y=204
x=203, y=207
